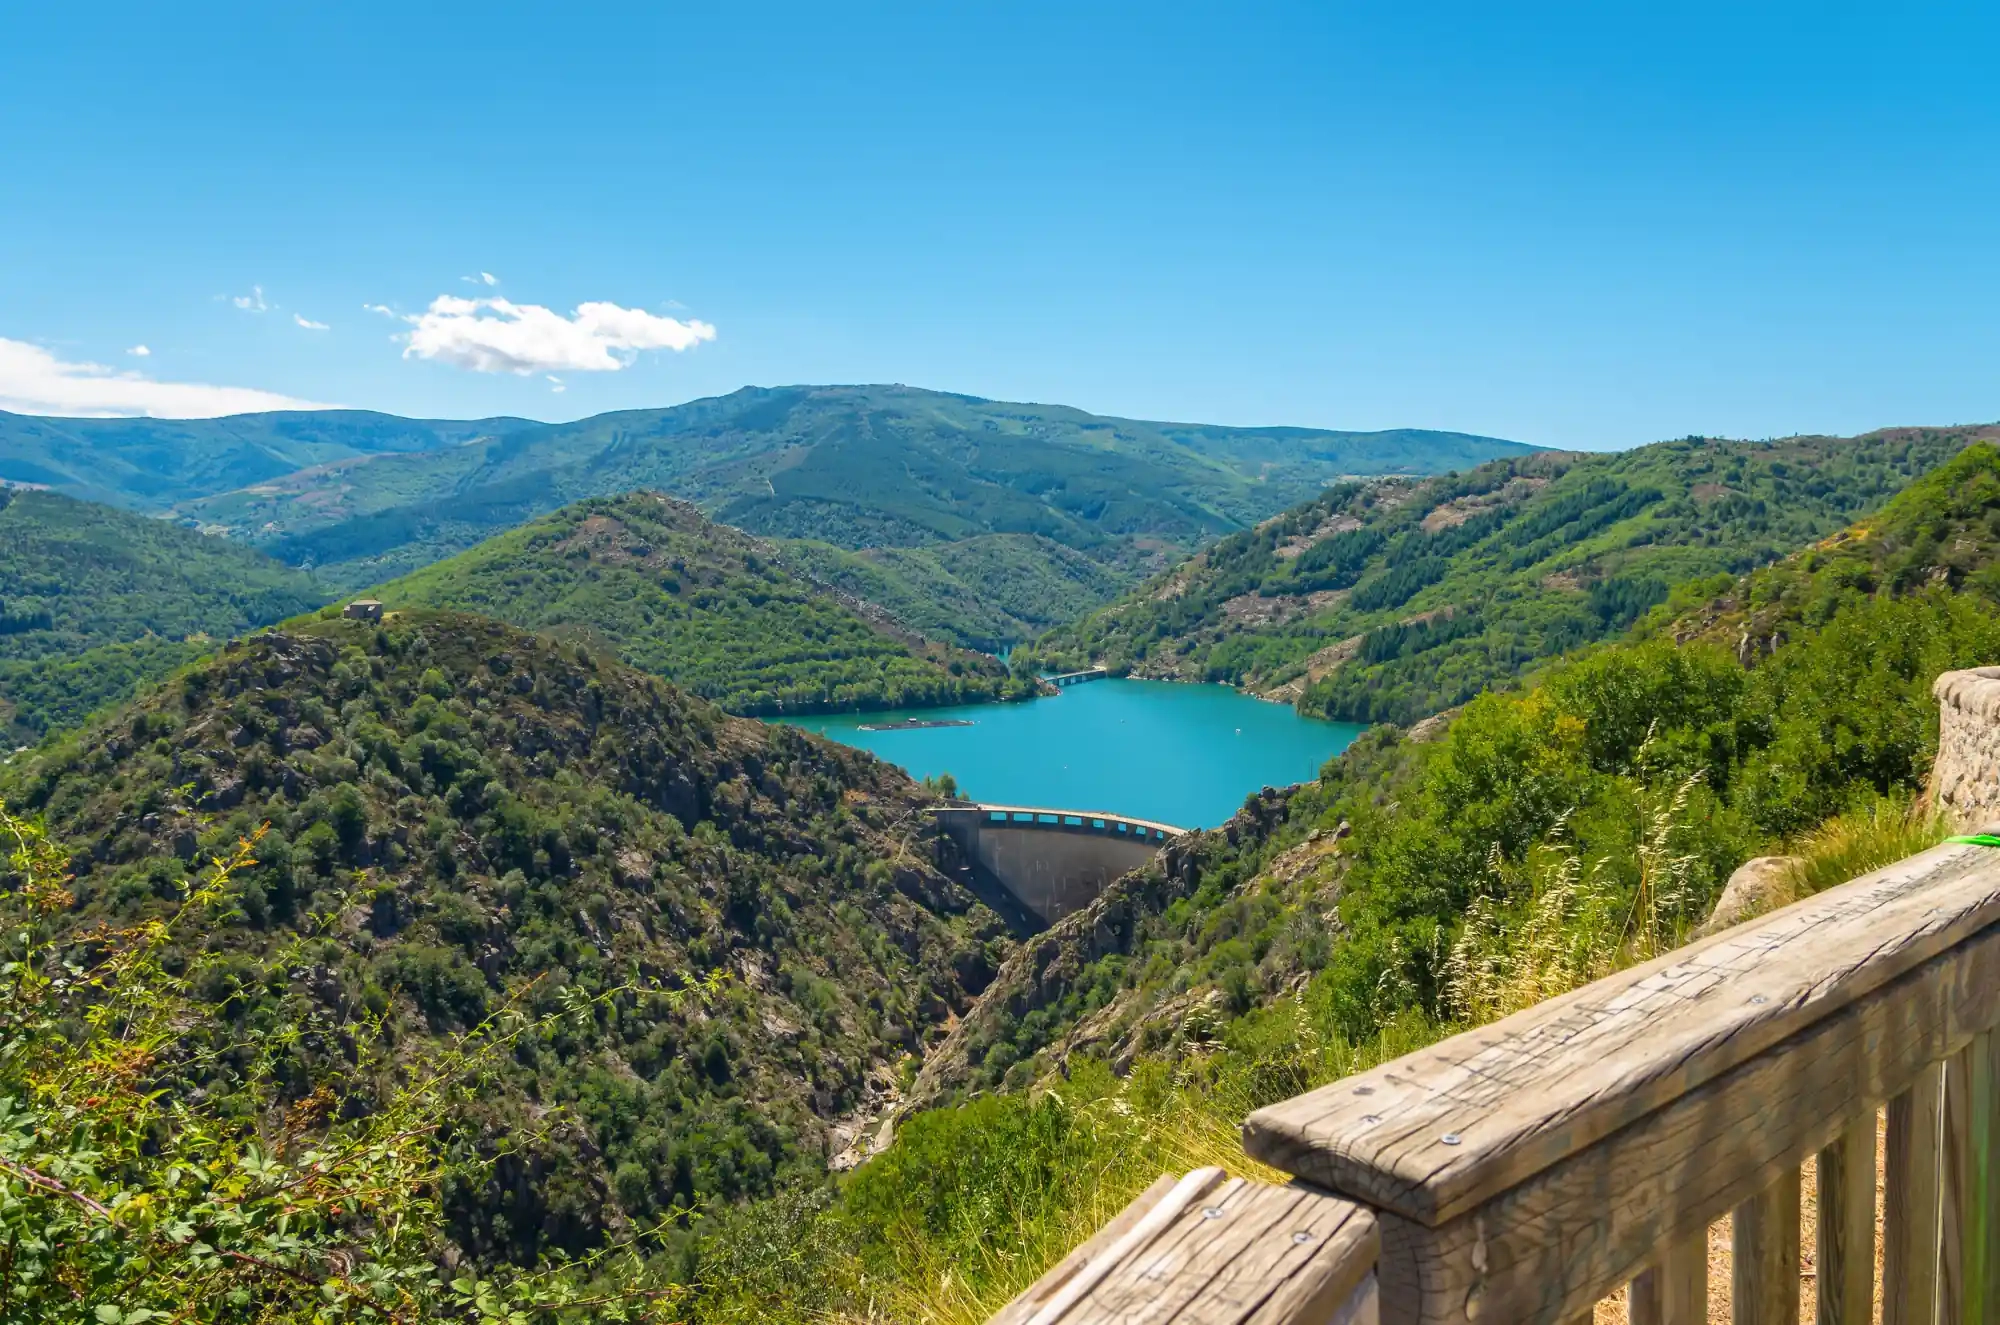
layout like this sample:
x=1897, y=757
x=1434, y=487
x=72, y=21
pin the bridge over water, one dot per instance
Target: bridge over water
x=1036, y=865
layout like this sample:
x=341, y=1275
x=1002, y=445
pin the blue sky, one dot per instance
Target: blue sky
x=1585, y=225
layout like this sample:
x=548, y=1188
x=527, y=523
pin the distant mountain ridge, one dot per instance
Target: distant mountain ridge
x=363, y=498
x=150, y=464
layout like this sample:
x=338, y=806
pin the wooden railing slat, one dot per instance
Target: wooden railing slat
x=1910, y=1205
x=1573, y=1233
x=1845, y=1254
x=1764, y=1271
x=1953, y=1161
x=1432, y=1134
x=1675, y=1291
x=1969, y=1285
x=1983, y=1192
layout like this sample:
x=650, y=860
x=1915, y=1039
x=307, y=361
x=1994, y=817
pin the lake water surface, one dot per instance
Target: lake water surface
x=1181, y=754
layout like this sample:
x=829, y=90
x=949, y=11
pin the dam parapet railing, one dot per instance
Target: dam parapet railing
x=1063, y=680
x=1052, y=820
x=1525, y=1171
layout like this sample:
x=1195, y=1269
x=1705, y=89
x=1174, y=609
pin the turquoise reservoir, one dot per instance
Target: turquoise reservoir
x=1180, y=754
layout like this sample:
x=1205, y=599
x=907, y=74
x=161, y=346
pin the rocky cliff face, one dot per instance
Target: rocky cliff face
x=1966, y=777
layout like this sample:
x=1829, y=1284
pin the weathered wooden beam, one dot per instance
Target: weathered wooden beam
x=1209, y=1251
x=1574, y=1232
x=1764, y=1265
x=1910, y=1203
x=1845, y=1257
x=1431, y=1135
x=1674, y=1291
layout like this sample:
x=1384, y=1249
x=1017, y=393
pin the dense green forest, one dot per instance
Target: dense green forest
x=705, y=606
x=95, y=601
x=1942, y=530
x=464, y=818
x=856, y=467
x=1392, y=601
x=989, y=592
x=149, y=464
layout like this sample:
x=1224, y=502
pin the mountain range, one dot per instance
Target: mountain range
x=361, y=498
x=893, y=517
x=150, y=464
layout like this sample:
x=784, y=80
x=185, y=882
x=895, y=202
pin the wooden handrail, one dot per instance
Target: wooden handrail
x=1519, y=1173
x=1434, y=1133
x=1524, y=1171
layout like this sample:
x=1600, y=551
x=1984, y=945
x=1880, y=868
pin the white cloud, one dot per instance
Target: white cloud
x=383, y=309
x=483, y=278
x=34, y=381
x=252, y=302
x=499, y=336
x=139, y=351
x=308, y=323
x=557, y=385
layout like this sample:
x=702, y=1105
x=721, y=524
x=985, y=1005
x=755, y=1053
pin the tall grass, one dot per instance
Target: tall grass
x=1555, y=922
x=1878, y=832
x=974, y=1203
x=1059, y=1166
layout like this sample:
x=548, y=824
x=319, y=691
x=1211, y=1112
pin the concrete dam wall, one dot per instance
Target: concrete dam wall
x=1048, y=862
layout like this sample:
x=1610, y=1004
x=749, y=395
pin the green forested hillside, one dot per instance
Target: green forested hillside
x=857, y=467
x=734, y=923
x=465, y=808
x=1395, y=600
x=1942, y=530
x=94, y=600
x=705, y=606
x=149, y=464
x=988, y=592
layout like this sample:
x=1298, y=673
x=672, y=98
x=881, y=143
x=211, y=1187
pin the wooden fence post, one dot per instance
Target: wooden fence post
x=1764, y=1280
x=1845, y=1258
x=1674, y=1292
x=1969, y=1282
x=1910, y=1205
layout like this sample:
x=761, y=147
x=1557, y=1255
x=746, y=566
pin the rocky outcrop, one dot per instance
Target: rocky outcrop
x=1965, y=779
x=1760, y=884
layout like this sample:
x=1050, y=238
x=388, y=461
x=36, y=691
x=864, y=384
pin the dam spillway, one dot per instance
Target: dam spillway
x=1046, y=862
